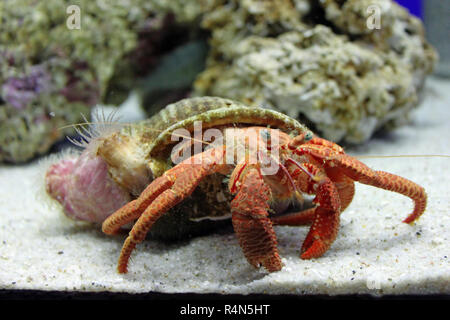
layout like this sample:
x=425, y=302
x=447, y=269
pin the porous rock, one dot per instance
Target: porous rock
x=321, y=62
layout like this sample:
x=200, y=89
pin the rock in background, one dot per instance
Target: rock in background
x=315, y=60
x=50, y=74
x=319, y=61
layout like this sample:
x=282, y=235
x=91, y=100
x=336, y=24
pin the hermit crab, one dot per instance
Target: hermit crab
x=256, y=158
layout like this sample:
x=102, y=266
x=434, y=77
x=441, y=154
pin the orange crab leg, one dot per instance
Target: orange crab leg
x=392, y=182
x=358, y=171
x=299, y=218
x=316, y=141
x=161, y=195
x=132, y=210
x=251, y=223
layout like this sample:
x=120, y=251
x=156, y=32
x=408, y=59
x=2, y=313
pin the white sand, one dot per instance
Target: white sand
x=374, y=253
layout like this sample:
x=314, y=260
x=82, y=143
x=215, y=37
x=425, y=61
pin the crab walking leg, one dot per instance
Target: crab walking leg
x=161, y=205
x=183, y=178
x=299, y=218
x=132, y=210
x=392, y=182
x=251, y=223
x=358, y=171
x=346, y=190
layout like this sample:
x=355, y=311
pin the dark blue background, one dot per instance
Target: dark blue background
x=414, y=6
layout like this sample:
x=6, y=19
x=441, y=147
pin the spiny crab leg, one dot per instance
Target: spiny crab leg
x=358, y=171
x=132, y=210
x=161, y=195
x=251, y=223
x=299, y=218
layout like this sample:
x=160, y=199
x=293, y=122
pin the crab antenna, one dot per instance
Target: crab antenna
x=81, y=124
x=236, y=179
x=406, y=156
x=286, y=173
x=298, y=165
x=297, y=194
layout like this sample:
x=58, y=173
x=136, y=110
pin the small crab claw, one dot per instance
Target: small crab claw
x=251, y=223
x=325, y=222
x=325, y=226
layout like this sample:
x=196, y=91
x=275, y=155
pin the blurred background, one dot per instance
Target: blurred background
x=317, y=61
x=436, y=16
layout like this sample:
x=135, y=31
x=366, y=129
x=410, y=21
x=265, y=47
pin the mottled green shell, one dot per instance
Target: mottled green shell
x=212, y=112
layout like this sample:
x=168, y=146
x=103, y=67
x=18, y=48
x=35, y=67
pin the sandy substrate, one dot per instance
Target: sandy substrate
x=374, y=253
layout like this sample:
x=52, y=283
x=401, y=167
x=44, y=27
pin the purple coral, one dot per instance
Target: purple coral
x=20, y=91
